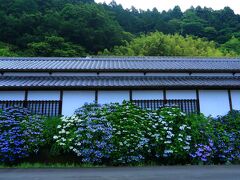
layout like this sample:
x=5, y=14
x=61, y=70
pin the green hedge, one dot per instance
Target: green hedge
x=124, y=134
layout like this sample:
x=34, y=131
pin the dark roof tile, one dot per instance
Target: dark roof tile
x=119, y=82
x=121, y=64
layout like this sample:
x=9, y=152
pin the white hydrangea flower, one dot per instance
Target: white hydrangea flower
x=168, y=136
x=186, y=147
x=182, y=127
x=188, y=138
x=168, y=151
x=180, y=139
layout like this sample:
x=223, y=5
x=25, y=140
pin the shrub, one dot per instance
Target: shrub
x=87, y=134
x=129, y=129
x=201, y=128
x=202, y=131
x=226, y=137
x=126, y=134
x=216, y=140
x=203, y=152
x=170, y=134
x=50, y=124
x=20, y=133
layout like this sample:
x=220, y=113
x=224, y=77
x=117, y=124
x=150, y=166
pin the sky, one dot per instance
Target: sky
x=184, y=4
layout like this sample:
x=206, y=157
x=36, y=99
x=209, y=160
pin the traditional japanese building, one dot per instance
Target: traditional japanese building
x=55, y=86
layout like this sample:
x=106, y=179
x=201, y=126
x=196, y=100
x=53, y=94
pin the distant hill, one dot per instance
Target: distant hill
x=81, y=27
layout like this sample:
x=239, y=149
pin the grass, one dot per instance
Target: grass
x=67, y=165
x=54, y=165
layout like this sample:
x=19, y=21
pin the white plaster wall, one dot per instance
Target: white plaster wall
x=43, y=95
x=214, y=102
x=167, y=74
x=105, y=97
x=181, y=94
x=73, y=100
x=235, y=99
x=12, y=95
x=147, y=94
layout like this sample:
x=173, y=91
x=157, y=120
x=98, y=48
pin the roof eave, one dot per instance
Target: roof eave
x=175, y=87
x=122, y=70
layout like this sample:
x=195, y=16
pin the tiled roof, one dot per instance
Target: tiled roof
x=118, y=82
x=98, y=64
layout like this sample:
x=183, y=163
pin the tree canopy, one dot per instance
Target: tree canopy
x=81, y=27
x=158, y=44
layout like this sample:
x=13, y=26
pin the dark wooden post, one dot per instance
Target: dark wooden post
x=60, y=103
x=130, y=95
x=25, y=103
x=230, y=99
x=198, y=102
x=96, y=96
x=164, y=97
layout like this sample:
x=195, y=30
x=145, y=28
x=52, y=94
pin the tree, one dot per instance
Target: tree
x=56, y=47
x=91, y=26
x=232, y=46
x=95, y=26
x=158, y=44
x=6, y=51
x=210, y=32
x=176, y=13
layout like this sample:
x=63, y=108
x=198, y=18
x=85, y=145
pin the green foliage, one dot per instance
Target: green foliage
x=224, y=23
x=86, y=134
x=50, y=129
x=129, y=130
x=232, y=46
x=201, y=128
x=81, y=27
x=226, y=136
x=158, y=44
x=5, y=51
x=175, y=134
x=20, y=134
x=78, y=27
x=117, y=134
x=56, y=47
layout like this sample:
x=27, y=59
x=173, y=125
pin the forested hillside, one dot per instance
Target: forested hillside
x=83, y=27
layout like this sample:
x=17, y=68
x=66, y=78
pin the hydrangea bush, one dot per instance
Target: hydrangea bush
x=227, y=137
x=20, y=134
x=122, y=134
x=216, y=140
x=126, y=134
x=170, y=136
x=204, y=153
x=87, y=134
x=129, y=128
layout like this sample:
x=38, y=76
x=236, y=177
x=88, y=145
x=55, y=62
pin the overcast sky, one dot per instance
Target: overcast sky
x=184, y=4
